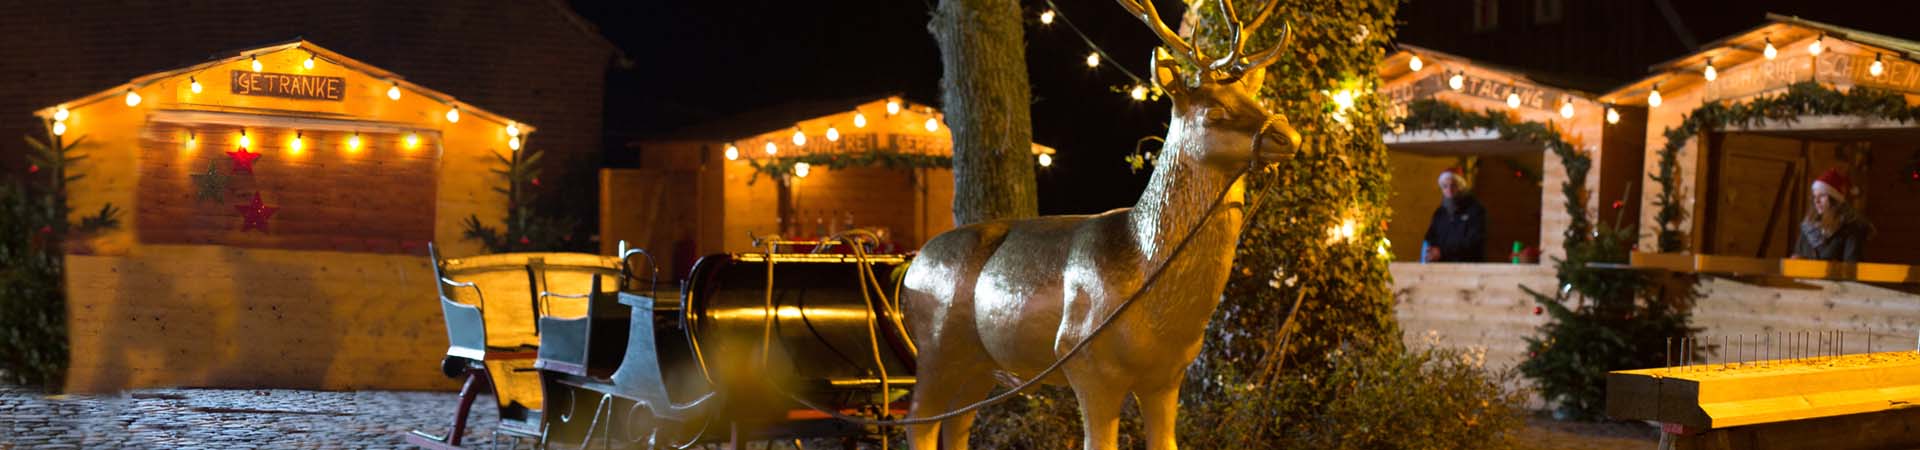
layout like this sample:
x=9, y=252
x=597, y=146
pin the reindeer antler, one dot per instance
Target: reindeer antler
x=1178, y=47
x=1232, y=63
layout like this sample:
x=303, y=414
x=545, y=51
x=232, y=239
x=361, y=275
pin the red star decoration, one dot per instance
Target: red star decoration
x=255, y=213
x=243, y=160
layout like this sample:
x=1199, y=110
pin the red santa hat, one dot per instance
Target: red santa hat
x=1833, y=184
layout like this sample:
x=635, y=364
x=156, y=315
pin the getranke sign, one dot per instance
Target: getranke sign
x=287, y=85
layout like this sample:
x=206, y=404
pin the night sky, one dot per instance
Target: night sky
x=702, y=61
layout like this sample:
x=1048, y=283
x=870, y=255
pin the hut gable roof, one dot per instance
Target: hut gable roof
x=1747, y=47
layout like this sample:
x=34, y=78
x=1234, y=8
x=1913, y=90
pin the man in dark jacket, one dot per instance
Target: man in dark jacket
x=1458, y=232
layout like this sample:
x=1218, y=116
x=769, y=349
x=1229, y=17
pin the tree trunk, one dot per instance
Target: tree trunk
x=985, y=96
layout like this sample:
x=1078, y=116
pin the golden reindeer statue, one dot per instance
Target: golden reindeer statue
x=1012, y=297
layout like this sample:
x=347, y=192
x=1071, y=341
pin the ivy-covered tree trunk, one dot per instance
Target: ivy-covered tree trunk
x=985, y=96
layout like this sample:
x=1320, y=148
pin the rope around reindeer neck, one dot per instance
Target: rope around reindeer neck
x=1061, y=362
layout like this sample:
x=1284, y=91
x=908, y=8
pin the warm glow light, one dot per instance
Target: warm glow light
x=733, y=153
x=801, y=169
x=453, y=115
x=308, y=63
x=932, y=125
x=1613, y=115
x=1384, y=247
x=1343, y=99
x=245, y=141
x=133, y=98
x=256, y=64
x=1046, y=160
x=513, y=143
x=299, y=143
x=393, y=93
x=1709, y=72
x=1046, y=17
x=1139, y=92
x=1815, y=47
x=1566, y=109
x=1513, y=100
x=859, y=120
x=193, y=139
x=413, y=140
x=1093, y=59
x=1770, y=52
x=61, y=114
x=799, y=138
x=771, y=149
x=194, y=85
x=893, y=106
x=513, y=129
x=1415, y=63
x=1346, y=229
x=59, y=128
x=1457, y=82
x=833, y=134
x=1877, y=68
x=1653, y=97
x=353, y=142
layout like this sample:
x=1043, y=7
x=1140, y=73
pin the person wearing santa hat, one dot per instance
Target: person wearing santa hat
x=1458, y=232
x=1833, y=230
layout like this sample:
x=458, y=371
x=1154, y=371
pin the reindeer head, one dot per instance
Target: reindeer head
x=1215, y=108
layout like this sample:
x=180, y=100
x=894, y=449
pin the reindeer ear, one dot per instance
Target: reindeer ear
x=1166, y=71
x=1253, y=78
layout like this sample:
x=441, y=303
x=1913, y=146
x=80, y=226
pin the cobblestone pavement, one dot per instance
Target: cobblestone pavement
x=230, y=419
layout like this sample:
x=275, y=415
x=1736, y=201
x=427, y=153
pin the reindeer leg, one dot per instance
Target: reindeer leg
x=972, y=388
x=1159, y=407
x=928, y=395
x=1100, y=404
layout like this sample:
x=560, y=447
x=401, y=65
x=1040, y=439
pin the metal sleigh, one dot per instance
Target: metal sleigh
x=751, y=349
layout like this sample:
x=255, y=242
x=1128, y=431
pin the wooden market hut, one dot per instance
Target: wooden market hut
x=1742, y=180
x=799, y=170
x=277, y=207
x=1481, y=305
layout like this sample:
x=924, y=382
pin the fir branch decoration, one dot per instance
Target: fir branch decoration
x=525, y=229
x=33, y=234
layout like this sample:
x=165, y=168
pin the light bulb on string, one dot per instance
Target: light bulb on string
x=1046, y=160
x=1613, y=115
x=59, y=128
x=932, y=125
x=1415, y=64
x=353, y=142
x=1457, y=81
x=1139, y=92
x=1093, y=59
x=193, y=139
x=299, y=142
x=413, y=140
x=1815, y=48
x=801, y=169
x=859, y=120
x=308, y=63
x=1653, y=96
x=393, y=92
x=193, y=84
x=799, y=138
x=833, y=134
x=1513, y=100
x=133, y=98
x=60, y=114
x=513, y=129
x=453, y=114
x=1769, y=51
x=513, y=143
x=1566, y=108
x=245, y=140
x=733, y=153
x=1877, y=68
x=1709, y=72
x=1046, y=17
x=771, y=149
x=256, y=64
x=893, y=106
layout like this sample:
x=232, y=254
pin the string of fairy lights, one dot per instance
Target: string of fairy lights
x=1710, y=73
x=1138, y=90
x=298, y=142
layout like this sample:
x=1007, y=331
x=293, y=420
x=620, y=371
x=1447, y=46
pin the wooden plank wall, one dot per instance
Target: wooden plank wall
x=191, y=315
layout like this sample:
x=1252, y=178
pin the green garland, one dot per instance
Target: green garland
x=1801, y=99
x=1435, y=115
x=779, y=166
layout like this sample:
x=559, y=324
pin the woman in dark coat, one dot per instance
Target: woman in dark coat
x=1833, y=230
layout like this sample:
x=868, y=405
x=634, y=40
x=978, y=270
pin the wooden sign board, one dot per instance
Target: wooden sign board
x=1831, y=67
x=287, y=85
x=1531, y=96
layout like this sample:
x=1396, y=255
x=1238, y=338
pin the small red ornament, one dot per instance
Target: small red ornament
x=536, y=181
x=524, y=240
x=33, y=168
x=1518, y=174
x=255, y=214
x=243, y=160
x=46, y=229
x=1617, y=204
x=1537, y=310
x=1916, y=174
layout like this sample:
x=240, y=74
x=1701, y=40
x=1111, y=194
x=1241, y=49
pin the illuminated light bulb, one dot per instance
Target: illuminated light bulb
x=893, y=106
x=308, y=63
x=59, y=128
x=1046, y=160
x=1457, y=82
x=353, y=142
x=1343, y=99
x=245, y=141
x=1769, y=52
x=61, y=114
x=801, y=169
x=1046, y=17
x=733, y=153
x=1709, y=72
x=192, y=139
x=133, y=98
x=799, y=138
x=1346, y=229
x=453, y=115
x=1877, y=68
x=1613, y=115
x=1513, y=100
x=1653, y=97
x=1566, y=109
x=1415, y=64
x=193, y=85
x=413, y=140
x=1815, y=47
x=513, y=129
x=1139, y=92
x=393, y=93
x=299, y=142
x=833, y=134
x=771, y=149
x=256, y=64
x=513, y=143
x=1093, y=59
x=932, y=125
x=859, y=120
x=1383, y=248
